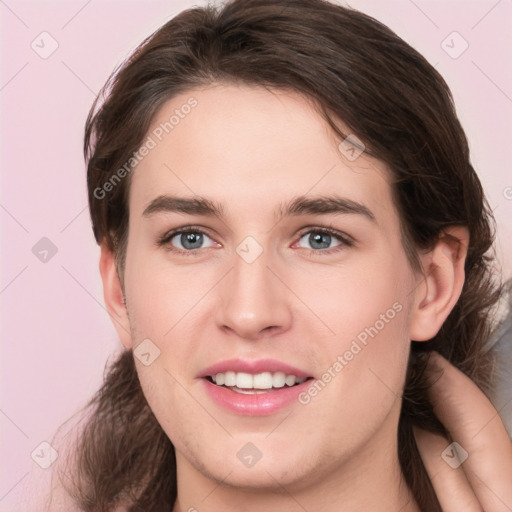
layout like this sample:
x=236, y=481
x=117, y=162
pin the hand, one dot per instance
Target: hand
x=483, y=482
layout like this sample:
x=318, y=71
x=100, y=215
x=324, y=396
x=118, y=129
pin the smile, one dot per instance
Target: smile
x=242, y=382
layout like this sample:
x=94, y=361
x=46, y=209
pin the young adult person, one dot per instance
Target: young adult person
x=291, y=231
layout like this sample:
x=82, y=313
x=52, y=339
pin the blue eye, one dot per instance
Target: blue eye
x=184, y=241
x=190, y=240
x=322, y=240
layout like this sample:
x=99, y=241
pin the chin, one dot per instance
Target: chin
x=262, y=479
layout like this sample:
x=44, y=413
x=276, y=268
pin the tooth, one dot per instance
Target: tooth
x=290, y=380
x=278, y=379
x=249, y=391
x=230, y=379
x=243, y=380
x=263, y=380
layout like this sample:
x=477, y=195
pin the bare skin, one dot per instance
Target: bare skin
x=251, y=151
x=483, y=480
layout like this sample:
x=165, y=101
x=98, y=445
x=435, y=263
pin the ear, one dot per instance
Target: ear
x=114, y=296
x=441, y=284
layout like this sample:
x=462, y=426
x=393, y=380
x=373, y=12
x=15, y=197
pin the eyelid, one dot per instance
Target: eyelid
x=165, y=239
x=344, y=239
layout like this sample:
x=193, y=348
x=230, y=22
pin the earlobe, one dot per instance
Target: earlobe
x=442, y=284
x=113, y=295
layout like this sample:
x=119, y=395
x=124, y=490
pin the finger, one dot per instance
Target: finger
x=446, y=474
x=476, y=426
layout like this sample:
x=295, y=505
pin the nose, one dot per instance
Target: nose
x=254, y=301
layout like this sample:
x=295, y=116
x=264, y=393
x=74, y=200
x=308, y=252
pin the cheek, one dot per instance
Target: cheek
x=364, y=367
x=174, y=407
x=361, y=297
x=160, y=296
x=368, y=309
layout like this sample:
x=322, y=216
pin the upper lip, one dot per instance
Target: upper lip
x=253, y=367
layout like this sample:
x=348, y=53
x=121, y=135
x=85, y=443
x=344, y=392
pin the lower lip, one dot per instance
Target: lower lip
x=261, y=404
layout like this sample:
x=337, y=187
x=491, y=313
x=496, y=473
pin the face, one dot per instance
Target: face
x=291, y=265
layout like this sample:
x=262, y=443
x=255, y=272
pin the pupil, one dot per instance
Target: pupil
x=193, y=239
x=323, y=239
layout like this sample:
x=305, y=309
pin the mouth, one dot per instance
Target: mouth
x=255, y=384
x=254, y=387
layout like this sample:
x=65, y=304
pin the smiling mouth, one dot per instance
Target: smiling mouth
x=249, y=384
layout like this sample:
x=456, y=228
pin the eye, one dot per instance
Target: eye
x=190, y=240
x=324, y=240
x=185, y=240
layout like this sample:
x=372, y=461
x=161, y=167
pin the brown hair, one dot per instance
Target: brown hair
x=356, y=70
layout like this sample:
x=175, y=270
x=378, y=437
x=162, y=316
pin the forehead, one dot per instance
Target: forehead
x=250, y=148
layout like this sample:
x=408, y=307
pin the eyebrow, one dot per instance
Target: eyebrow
x=301, y=205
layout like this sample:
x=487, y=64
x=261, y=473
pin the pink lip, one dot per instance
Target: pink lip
x=253, y=367
x=262, y=404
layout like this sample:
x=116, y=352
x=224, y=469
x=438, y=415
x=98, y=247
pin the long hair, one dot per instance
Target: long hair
x=355, y=70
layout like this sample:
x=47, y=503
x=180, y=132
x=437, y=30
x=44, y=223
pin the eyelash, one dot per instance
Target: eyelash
x=344, y=239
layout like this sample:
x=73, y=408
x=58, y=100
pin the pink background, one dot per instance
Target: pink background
x=56, y=334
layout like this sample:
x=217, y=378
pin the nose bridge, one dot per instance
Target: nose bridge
x=253, y=298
